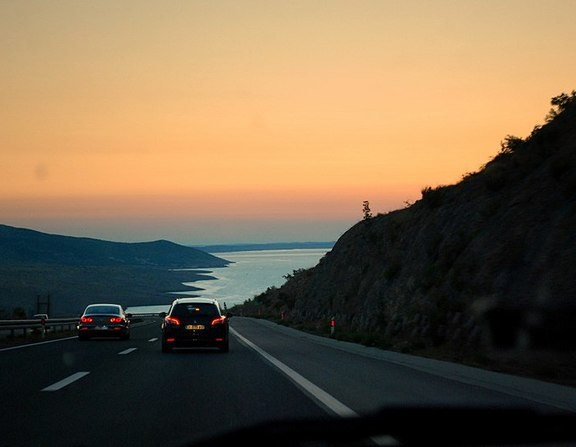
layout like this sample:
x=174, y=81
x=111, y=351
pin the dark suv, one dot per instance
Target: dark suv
x=195, y=322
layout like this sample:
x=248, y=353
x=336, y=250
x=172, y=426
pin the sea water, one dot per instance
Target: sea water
x=252, y=272
x=249, y=274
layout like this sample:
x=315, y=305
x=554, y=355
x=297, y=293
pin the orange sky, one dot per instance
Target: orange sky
x=229, y=121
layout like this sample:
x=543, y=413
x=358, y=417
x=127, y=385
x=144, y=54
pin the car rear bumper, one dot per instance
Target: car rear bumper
x=186, y=339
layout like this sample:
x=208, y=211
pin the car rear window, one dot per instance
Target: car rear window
x=102, y=310
x=191, y=309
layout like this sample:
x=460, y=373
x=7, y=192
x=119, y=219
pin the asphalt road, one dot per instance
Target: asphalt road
x=112, y=392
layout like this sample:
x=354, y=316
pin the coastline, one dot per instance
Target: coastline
x=71, y=288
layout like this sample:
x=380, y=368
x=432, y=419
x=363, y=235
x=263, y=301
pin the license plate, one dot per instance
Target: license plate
x=101, y=327
x=194, y=327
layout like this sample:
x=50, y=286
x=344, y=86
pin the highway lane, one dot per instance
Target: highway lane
x=131, y=393
x=365, y=382
x=142, y=397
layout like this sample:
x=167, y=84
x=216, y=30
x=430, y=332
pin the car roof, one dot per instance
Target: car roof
x=104, y=304
x=195, y=300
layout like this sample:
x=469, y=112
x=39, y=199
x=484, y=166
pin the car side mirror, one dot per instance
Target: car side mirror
x=229, y=315
x=162, y=314
x=128, y=315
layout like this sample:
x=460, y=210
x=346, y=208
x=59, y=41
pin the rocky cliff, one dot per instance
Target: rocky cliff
x=497, y=247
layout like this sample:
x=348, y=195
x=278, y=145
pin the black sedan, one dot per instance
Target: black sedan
x=104, y=320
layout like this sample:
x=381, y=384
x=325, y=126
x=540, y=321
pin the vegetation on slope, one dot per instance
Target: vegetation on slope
x=495, y=251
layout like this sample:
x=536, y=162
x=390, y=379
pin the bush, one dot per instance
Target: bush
x=510, y=144
x=433, y=197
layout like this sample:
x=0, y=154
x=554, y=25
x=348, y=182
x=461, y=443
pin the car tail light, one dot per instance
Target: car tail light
x=172, y=321
x=115, y=320
x=86, y=319
x=218, y=320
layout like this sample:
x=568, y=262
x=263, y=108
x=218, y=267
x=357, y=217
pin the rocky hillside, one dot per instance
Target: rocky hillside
x=498, y=247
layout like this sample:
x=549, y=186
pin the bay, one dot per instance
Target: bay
x=250, y=274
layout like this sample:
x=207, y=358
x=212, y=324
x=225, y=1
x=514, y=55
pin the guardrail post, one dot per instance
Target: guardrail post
x=43, y=330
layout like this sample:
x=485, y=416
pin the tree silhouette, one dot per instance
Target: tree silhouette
x=366, y=209
x=560, y=103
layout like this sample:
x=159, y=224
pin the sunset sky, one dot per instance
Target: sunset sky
x=259, y=120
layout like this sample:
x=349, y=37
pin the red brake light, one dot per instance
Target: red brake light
x=218, y=320
x=86, y=319
x=115, y=320
x=173, y=321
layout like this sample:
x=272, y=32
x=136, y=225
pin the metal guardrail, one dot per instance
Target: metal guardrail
x=12, y=328
x=150, y=315
x=24, y=327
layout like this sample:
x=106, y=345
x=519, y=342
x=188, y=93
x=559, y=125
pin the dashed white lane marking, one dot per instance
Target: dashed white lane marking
x=153, y=339
x=67, y=381
x=127, y=351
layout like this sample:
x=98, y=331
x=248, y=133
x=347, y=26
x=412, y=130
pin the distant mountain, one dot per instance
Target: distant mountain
x=267, y=246
x=75, y=271
x=25, y=246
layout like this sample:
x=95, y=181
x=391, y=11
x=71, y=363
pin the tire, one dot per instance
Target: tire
x=225, y=347
x=166, y=348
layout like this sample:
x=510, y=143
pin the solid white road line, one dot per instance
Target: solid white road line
x=127, y=351
x=67, y=381
x=316, y=392
x=322, y=396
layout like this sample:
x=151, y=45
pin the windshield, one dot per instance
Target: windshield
x=282, y=221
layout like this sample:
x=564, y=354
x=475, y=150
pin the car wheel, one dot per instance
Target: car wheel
x=126, y=336
x=166, y=347
x=225, y=347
